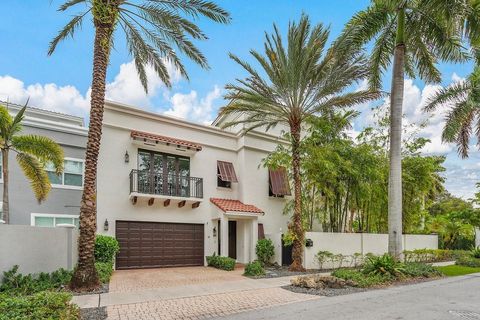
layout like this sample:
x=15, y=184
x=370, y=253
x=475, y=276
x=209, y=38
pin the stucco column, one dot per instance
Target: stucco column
x=223, y=236
x=254, y=239
x=477, y=237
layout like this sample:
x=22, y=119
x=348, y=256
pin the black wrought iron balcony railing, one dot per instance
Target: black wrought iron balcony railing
x=165, y=184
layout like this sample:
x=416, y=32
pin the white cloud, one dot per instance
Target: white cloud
x=189, y=106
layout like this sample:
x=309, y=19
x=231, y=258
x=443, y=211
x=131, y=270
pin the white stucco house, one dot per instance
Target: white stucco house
x=173, y=191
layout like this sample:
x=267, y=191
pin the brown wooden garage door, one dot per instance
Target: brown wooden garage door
x=158, y=244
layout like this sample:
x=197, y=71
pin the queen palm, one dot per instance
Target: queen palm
x=155, y=30
x=297, y=80
x=416, y=37
x=463, y=116
x=32, y=153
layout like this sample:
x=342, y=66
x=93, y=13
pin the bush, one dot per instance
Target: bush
x=106, y=248
x=468, y=261
x=416, y=269
x=18, y=284
x=104, y=270
x=219, y=262
x=476, y=252
x=265, y=251
x=383, y=265
x=254, y=269
x=360, y=279
x=39, y=306
x=322, y=257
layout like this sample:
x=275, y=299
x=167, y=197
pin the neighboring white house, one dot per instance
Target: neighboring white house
x=174, y=191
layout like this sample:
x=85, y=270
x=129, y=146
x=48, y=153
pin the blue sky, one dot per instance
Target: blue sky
x=61, y=82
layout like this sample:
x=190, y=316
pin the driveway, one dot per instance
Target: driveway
x=187, y=293
x=447, y=299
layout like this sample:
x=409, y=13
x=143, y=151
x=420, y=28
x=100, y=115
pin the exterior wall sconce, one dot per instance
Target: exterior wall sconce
x=105, y=225
x=127, y=157
x=309, y=243
x=214, y=231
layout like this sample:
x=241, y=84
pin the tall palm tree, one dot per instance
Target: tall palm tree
x=416, y=36
x=32, y=153
x=297, y=80
x=463, y=98
x=154, y=30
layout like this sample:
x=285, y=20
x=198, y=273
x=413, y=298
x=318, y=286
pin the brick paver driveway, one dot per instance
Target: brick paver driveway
x=187, y=294
x=141, y=279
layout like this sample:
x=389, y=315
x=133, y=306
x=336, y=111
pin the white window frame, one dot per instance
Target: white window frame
x=62, y=186
x=51, y=215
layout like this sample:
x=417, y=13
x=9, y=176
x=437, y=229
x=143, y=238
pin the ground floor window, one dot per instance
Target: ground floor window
x=53, y=220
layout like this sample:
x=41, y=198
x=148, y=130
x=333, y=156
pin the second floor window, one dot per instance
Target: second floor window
x=225, y=174
x=72, y=174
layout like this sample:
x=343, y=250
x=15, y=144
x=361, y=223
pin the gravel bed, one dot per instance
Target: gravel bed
x=99, y=313
x=103, y=289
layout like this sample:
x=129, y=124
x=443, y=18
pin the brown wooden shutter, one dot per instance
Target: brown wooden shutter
x=226, y=171
x=261, y=231
x=279, y=182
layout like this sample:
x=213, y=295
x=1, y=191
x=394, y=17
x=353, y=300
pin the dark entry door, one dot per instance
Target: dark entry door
x=286, y=254
x=157, y=244
x=232, y=239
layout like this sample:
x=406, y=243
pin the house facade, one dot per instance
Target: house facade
x=173, y=191
x=62, y=205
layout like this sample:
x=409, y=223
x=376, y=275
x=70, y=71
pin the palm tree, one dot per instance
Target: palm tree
x=32, y=153
x=296, y=81
x=153, y=30
x=417, y=37
x=463, y=98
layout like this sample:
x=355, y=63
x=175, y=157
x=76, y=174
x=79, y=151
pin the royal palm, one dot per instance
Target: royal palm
x=296, y=80
x=32, y=152
x=155, y=31
x=411, y=37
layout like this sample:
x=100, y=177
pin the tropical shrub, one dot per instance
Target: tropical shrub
x=253, y=269
x=416, y=269
x=383, y=265
x=468, y=261
x=15, y=283
x=106, y=248
x=265, y=251
x=476, y=252
x=104, y=271
x=219, y=262
x=38, y=306
x=322, y=257
x=360, y=279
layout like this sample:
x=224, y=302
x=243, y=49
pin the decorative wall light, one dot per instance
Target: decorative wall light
x=127, y=157
x=105, y=225
x=214, y=231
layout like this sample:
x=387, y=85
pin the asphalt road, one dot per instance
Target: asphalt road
x=456, y=298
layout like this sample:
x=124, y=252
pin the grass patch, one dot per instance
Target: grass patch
x=456, y=270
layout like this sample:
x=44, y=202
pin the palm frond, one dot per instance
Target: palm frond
x=42, y=148
x=33, y=170
x=68, y=30
x=456, y=93
x=6, y=121
x=70, y=3
x=195, y=8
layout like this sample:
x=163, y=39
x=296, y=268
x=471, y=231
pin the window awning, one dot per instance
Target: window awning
x=145, y=136
x=279, y=182
x=226, y=171
x=236, y=206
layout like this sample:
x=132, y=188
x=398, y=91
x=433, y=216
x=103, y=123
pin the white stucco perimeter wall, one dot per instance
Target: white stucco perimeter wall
x=37, y=249
x=350, y=243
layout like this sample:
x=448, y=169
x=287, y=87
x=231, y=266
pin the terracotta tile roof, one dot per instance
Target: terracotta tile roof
x=164, y=139
x=235, y=205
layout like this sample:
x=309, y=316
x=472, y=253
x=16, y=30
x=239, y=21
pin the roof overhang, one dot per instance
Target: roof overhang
x=164, y=143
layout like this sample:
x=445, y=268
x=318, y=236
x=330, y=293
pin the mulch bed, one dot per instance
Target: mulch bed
x=330, y=292
x=277, y=272
x=102, y=289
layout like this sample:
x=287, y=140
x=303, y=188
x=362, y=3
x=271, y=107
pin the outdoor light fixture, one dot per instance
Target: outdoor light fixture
x=105, y=225
x=214, y=231
x=127, y=157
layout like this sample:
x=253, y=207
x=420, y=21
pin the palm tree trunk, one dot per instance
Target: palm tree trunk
x=85, y=276
x=395, y=177
x=298, y=243
x=5, y=206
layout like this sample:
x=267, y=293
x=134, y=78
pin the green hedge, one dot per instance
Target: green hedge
x=219, y=262
x=265, y=251
x=106, y=248
x=104, y=270
x=253, y=269
x=468, y=261
x=39, y=306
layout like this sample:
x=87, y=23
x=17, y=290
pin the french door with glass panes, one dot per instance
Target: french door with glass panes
x=163, y=174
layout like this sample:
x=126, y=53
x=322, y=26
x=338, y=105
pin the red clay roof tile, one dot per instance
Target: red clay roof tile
x=164, y=139
x=234, y=205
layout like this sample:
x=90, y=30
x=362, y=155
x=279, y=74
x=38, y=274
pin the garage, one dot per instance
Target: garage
x=159, y=244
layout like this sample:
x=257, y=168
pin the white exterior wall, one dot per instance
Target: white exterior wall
x=245, y=153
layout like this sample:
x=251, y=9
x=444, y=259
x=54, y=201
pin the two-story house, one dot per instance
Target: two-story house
x=63, y=203
x=172, y=191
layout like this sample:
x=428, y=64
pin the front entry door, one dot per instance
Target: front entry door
x=232, y=239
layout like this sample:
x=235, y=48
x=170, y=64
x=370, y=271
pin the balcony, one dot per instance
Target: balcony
x=183, y=189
